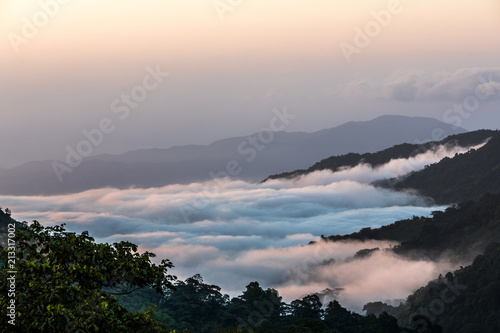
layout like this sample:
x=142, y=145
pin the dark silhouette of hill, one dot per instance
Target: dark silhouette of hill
x=464, y=230
x=466, y=301
x=158, y=167
x=405, y=150
x=465, y=176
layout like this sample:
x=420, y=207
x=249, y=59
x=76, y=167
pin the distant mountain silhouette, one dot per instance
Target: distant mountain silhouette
x=237, y=157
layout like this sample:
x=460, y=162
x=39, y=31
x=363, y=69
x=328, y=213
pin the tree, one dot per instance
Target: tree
x=337, y=317
x=65, y=282
x=307, y=307
x=422, y=324
x=449, y=277
x=195, y=305
x=256, y=309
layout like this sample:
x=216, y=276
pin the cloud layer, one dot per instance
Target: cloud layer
x=417, y=85
x=234, y=232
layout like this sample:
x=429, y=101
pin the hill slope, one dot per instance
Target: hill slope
x=465, y=176
x=405, y=150
x=466, y=301
x=465, y=230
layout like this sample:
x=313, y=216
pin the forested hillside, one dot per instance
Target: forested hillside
x=465, y=176
x=405, y=150
x=466, y=301
x=465, y=230
x=201, y=307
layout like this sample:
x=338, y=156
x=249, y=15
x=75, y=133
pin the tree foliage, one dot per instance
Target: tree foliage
x=200, y=307
x=65, y=282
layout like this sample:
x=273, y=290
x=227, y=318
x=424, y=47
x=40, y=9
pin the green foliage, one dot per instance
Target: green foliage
x=307, y=307
x=194, y=305
x=65, y=282
x=200, y=307
x=5, y=220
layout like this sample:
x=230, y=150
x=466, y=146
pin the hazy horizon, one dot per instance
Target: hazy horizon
x=67, y=65
x=207, y=143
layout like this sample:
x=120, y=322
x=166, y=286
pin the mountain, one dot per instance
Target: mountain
x=250, y=158
x=361, y=136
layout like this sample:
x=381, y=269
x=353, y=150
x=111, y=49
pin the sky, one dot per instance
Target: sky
x=182, y=72
x=233, y=232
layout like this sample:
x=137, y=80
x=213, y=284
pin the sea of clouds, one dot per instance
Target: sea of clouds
x=233, y=232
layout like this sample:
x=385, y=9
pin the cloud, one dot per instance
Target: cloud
x=379, y=277
x=366, y=174
x=425, y=86
x=300, y=270
x=234, y=232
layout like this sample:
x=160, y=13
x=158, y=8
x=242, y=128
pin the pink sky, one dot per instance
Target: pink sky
x=229, y=69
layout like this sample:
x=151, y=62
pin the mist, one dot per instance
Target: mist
x=233, y=232
x=365, y=173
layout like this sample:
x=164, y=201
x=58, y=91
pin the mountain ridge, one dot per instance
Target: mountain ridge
x=404, y=150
